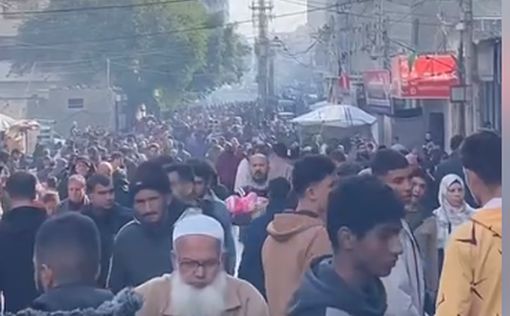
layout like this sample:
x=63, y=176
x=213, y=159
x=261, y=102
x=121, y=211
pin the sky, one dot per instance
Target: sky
x=240, y=11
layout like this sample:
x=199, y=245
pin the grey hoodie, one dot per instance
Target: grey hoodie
x=324, y=293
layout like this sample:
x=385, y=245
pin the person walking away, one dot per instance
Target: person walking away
x=66, y=263
x=120, y=179
x=141, y=248
x=422, y=223
x=226, y=166
x=405, y=286
x=17, y=234
x=279, y=162
x=199, y=285
x=296, y=238
x=77, y=198
x=453, y=211
x=470, y=283
x=363, y=223
x=107, y=215
x=250, y=268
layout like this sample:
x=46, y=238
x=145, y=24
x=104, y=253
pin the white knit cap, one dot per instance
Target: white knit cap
x=198, y=224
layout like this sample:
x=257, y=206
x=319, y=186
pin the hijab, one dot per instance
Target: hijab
x=448, y=216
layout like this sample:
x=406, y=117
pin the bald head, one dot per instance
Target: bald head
x=105, y=168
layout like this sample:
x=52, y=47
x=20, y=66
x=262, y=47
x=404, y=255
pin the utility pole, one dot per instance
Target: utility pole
x=471, y=108
x=262, y=10
x=108, y=74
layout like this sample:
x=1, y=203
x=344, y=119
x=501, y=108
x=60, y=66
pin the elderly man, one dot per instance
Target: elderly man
x=199, y=286
x=258, y=179
x=76, y=198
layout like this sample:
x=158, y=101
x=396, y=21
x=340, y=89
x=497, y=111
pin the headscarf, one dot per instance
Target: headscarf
x=448, y=216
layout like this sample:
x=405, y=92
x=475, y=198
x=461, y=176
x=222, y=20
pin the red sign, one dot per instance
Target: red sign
x=429, y=77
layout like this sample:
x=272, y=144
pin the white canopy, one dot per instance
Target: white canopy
x=6, y=122
x=335, y=115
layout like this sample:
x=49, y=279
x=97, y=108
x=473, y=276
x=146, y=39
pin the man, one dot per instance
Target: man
x=280, y=166
x=471, y=279
x=120, y=180
x=296, y=238
x=364, y=221
x=258, y=178
x=105, y=168
x=250, y=268
x=226, y=166
x=199, y=285
x=66, y=262
x=182, y=155
x=184, y=188
x=77, y=198
x=108, y=216
x=141, y=249
x=405, y=286
x=17, y=233
x=453, y=165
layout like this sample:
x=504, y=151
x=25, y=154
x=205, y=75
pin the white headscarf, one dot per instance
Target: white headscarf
x=448, y=216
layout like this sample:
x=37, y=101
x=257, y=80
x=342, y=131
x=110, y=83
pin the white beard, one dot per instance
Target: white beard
x=189, y=301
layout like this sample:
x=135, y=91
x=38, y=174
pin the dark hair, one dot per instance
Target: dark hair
x=95, y=180
x=116, y=155
x=52, y=182
x=337, y=155
x=279, y=188
x=481, y=153
x=149, y=175
x=360, y=203
x=348, y=169
x=69, y=244
x=386, y=160
x=164, y=161
x=50, y=196
x=22, y=185
x=184, y=171
x=309, y=170
x=202, y=169
x=456, y=141
x=280, y=149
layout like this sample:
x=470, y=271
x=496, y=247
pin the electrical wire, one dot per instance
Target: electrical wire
x=94, y=8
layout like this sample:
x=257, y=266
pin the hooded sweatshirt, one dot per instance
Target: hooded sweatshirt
x=324, y=293
x=294, y=240
x=471, y=281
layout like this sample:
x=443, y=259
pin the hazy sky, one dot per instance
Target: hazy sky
x=240, y=11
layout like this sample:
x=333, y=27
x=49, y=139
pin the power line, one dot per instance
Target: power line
x=168, y=32
x=94, y=8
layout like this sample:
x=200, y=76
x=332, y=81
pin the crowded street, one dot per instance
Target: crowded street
x=250, y=158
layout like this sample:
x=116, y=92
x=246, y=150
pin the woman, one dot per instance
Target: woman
x=453, y=210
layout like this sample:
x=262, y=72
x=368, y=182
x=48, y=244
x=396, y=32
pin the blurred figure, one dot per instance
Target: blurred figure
x=453, y=212
x=279, y=162
x=77, y=199
x=250, y=268
x=66, y=261
x=17, y=233
x=199, y=285
x=472, y=272
x=226, y=166
x=51, y=201
x=104, y=168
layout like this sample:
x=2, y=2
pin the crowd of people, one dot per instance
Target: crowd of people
x=142, y=223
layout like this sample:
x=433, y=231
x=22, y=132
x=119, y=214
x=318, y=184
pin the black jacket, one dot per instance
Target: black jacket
x=323, y=293
x=70, y=297
x=108, y=223
x=250, y=268
x=17, y=235
x=121, y=187
x=126, y=303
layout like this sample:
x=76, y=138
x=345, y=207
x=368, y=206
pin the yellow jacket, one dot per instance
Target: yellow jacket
x=471, y=279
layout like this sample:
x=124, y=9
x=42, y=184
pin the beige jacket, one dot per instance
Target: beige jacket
x=242, y=299
x=294, y=240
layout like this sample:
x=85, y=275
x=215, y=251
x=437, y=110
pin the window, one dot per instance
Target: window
x=75, y=103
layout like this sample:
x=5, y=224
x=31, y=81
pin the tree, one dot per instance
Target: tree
x=150, y=46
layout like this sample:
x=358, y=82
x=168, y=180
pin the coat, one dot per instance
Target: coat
x=295, y=239
x=405, y=286
x=242, y=299
x=70, y=297
x=126, y=303
x=471, y=280
x=17, y=236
